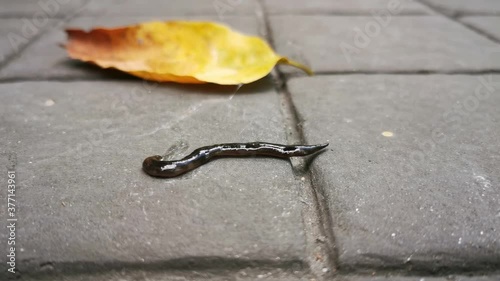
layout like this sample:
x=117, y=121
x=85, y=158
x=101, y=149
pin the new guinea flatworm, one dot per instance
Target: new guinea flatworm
x=156, y=166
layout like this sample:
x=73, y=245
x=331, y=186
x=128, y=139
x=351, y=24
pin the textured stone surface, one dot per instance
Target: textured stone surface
x=45, y=59
x=15, y=33
x=38, y=9
x=86, y=203
x=419, y=278
x=247, y=274
x=493, y=277
x=411, y=176
x=160, y=8
x=349, y=7
x=418, y=43
x=488, y=25
x=466, y=7
x=410, y=179
x=392, y=278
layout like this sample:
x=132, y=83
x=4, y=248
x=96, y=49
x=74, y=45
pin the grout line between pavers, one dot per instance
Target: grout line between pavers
x=413, y=72
x=65, y=79
x=410, y=271
x=21, y=15
x=42, y=32
x=395, y=275
x=197, y=263
x=283, y=76
x=316, y=216
x=399, y=72
x=320, y=244
x=348, y=14
x=477, y=30
x=455, y=14
x=455, y=17
x=13, y=56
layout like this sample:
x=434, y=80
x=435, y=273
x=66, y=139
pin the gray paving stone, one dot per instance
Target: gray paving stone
x=465, y=7
x=421, y=278
x=15, y=33
x=488, y=25
x=392, y=278
x=407, y=43
x=37, y=9
x=221, y=8
x=85, y=204
x=247, y=274
x=404, y=7
x=478, y=278
x=427, y=197
x=45, y=59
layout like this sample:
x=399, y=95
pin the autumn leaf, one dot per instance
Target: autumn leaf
x=179, y=51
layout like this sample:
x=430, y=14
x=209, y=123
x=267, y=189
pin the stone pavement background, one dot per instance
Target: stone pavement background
x=406, y=92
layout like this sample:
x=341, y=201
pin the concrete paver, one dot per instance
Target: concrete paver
x=412, y=169
x=488, y=25
x=247, y=274
x=221, y=8
x=344, y=7
x=16, y=33
x=418, y=278
x=87, y=204
x=392, y=278
x=39, y=9
x=45, y=59
x=407, y=43
x=407, y=189
x=492, y=277
x=465, y=7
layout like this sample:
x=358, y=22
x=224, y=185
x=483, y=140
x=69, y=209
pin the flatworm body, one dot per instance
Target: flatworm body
x=156, y=166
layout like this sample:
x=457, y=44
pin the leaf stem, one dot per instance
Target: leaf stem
x=298, y=65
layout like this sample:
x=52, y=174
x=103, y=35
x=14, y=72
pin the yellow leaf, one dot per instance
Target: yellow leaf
x=180, y=51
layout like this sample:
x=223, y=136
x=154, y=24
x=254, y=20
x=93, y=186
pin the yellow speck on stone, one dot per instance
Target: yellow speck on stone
x=387, y=134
